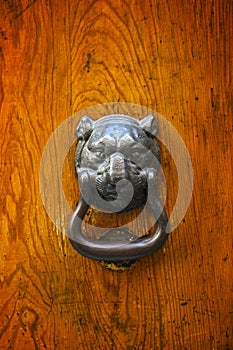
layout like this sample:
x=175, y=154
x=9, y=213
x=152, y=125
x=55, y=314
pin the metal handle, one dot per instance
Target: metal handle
x=114, y=251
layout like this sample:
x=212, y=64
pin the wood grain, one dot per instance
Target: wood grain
x=58, y=57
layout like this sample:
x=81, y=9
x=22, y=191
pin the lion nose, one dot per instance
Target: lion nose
x=117, y=167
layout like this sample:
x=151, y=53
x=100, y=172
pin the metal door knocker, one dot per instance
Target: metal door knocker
x=117, y=159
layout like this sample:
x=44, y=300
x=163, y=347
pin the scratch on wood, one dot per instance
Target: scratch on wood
x=88, y=64
x=208, y=313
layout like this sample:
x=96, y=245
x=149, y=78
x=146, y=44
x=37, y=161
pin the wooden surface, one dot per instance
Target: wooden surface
x=58, y=57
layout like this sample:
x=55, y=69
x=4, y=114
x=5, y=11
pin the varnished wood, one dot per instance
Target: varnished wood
x=58, y=57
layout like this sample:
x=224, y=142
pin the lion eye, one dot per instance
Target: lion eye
x=100, y=155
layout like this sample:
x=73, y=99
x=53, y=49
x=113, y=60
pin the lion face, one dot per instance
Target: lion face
x=118, y=151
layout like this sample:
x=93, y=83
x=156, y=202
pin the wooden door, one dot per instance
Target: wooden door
x=58, y=58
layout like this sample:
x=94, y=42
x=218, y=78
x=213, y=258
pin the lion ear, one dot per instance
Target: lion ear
x=84, y=128
x=149, y=125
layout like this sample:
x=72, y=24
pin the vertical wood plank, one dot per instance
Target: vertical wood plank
x=61, y=57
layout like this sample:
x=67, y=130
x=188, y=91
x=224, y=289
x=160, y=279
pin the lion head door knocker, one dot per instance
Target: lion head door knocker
x=117, y=159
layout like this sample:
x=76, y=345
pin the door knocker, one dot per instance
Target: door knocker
x=117, y=160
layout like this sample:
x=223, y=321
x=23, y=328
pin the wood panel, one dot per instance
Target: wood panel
x=58, y=57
